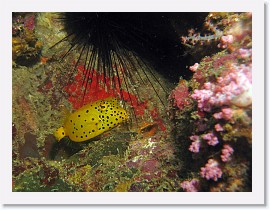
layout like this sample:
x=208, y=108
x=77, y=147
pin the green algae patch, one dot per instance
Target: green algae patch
x=116, y=144
x=38, y=181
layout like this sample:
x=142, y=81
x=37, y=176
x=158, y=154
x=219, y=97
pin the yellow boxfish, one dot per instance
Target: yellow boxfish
x=91, y=120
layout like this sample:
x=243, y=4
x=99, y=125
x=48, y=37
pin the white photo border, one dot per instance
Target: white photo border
x=257, y=196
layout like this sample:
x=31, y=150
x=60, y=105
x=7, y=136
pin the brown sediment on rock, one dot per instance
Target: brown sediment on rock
x=28, y=112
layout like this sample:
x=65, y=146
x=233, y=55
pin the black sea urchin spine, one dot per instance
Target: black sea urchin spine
x=120, y=46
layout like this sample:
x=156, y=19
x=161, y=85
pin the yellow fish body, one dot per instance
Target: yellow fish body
x=91, y=120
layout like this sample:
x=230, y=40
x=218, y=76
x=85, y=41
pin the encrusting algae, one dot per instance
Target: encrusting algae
x=92, y=119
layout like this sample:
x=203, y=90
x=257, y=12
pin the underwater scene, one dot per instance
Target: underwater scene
x=131, y=102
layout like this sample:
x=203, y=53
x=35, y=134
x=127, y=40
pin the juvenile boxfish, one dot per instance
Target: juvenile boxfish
x=92, y=119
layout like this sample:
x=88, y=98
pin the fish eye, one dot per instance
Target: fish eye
x=59, y=133
x=103, y=106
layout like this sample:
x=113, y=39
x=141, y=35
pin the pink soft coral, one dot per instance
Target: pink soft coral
x=195, y=145
x=226, y=113
x=226, y=152
x=233, y=88
x=211, y=170
x=211, y=139
x=191, y=186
